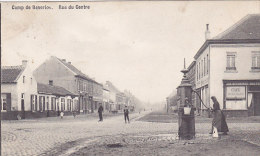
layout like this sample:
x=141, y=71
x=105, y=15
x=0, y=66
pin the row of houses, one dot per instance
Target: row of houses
x=228, y=67
x=56, y=86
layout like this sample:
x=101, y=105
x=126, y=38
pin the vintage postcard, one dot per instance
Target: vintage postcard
x=130, y=78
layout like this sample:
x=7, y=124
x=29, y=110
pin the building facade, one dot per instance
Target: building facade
x=191, y=77
x=22, y=97
x=17, y=87
x=228, y=67
x=59, y=72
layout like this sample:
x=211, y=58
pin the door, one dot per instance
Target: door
x=257, y=104
x=22, y=107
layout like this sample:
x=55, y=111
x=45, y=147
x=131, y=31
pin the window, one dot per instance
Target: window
x=69, y=104
x=207, y=63
x=62, y=104
x=31, y=80
x=197, y=73
x=78, y=85
x=53, y=102
x=231, y=65
x=22, y=95
x=202, y=74
x=204, y=67
x=3, y=102
x=41, y=103
x=47, y=103
x=33, y=102
x=199, y=70
x=57, y=104
x=51, y=82
x=255, y=60
x=23, y=79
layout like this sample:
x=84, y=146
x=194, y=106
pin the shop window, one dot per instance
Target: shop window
x=231, y=61
x=3, y=102
x=255, y=60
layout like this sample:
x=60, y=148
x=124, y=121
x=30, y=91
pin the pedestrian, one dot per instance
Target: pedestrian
x=61, y=115
x=219, y=119
x=100, y=111
x=126, y=112
x=74, y=114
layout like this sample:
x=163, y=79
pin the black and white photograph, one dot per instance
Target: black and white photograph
x=130, y=78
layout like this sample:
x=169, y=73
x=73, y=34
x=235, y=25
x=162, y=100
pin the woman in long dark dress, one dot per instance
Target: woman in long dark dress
x=219, y=119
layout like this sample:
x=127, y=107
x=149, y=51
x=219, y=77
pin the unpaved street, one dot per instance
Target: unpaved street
x=85, y=136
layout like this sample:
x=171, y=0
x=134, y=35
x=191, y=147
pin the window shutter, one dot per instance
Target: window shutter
x=8, y=102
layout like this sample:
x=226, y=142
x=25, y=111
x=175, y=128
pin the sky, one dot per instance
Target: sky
x=138, y=46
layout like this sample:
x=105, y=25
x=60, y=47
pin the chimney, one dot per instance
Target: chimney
x=64, y=60
x=51, y=82
x=24, y=63
x=207, y=32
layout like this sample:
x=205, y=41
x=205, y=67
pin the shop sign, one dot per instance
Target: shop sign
x=235, y=92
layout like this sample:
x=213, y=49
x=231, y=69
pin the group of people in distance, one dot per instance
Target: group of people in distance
x=126, y=113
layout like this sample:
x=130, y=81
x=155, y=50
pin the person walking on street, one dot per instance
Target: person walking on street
x=100, y=111
x=126, y=112
x=219, y=119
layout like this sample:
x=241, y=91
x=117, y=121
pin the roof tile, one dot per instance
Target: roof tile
x=9, y=74
x=55, y=90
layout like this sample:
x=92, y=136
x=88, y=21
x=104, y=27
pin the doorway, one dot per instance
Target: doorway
x=22, y=106
x=256, y=100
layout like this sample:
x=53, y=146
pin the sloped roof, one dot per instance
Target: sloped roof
x=73, y=68
x=77, y=71
x=10, y=74
x=247, y=28
x=112, y=87
x=55, y=90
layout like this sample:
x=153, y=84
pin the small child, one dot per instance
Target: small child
x=61, y=115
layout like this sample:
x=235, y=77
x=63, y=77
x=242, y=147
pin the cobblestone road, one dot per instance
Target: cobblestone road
x=64, y=137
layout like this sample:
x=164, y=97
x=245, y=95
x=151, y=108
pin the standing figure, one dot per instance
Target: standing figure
x=74, y=113
x=219, y=119
x=100, y=110
x=126, y=112
x=61, y=115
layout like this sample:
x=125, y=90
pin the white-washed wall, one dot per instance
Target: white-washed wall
x=243, y=71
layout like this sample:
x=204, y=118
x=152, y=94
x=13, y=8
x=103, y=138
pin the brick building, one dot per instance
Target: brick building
x=59, y=72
